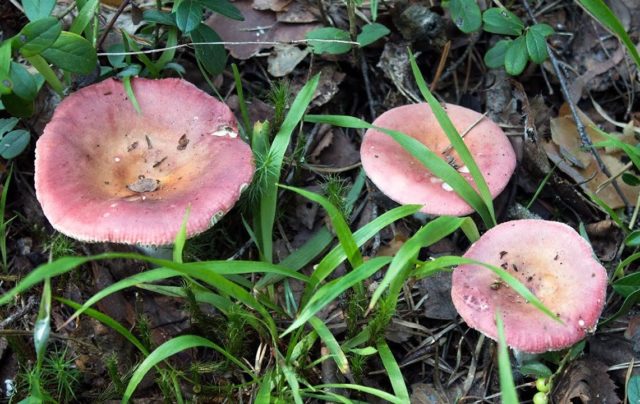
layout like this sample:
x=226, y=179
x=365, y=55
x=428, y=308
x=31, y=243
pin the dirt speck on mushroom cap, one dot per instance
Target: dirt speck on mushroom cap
x=405, y=180
x=106, y=173
x=557, y=266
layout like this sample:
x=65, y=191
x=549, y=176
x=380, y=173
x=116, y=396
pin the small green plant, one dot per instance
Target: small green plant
x=523, y=44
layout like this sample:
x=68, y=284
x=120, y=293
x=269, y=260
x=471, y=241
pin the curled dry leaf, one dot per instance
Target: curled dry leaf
x=586, y=381
x=565, y=149
x=258, y=27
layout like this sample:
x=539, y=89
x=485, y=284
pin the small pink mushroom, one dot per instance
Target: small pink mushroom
x=405, y=180
x=558, y=267
x=103, y=172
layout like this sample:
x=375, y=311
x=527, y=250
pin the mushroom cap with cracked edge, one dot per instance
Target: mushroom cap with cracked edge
x=405, y=180
x=558, y=267
x=104, y=173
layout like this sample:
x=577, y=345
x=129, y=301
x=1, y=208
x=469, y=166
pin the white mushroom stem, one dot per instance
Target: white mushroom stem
x=164, y=252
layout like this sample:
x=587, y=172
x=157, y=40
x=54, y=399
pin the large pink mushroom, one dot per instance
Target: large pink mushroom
x=405, y=180
x=558, y=267
x=104, y=172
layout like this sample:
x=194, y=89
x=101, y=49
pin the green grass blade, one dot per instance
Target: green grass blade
x=277, y=151
x=3, y=223
x=337, y=255
x=424, y=155
x=456, y=140
x=332, y=344
x=364, y=389
x=200, y=270
x=109, y=322
x=263, y=396
x=241, y=102
x=601, y=12
x=292, y=381
x=507, y=386
x=84, y=17
x=393, y=370
x=430, y=233
x=328, y=292
x=300, y=257
x=181, y=238
x=169, y=348
x=338, y=222
x=200, y=294
x=448, y=261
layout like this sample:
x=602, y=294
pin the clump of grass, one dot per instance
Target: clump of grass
x=335, y=189
x=59, y=246
x=278, y=96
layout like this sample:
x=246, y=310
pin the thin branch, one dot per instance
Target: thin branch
x=119, y=11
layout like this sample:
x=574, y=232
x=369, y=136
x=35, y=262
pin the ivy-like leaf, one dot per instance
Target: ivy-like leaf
x=466, y=15
x=37, y=9
x=14, y=143
x=502, y=21
x=494, y=58
x=72, y=53
x=212, y=57
x=188, y=15
x=38, y=36
x=516, y=58
x=223, y=7
x=371, y=33
x=321, y=39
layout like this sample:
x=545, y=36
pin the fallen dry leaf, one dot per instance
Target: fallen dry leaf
x=565, y=149
x=586, y=381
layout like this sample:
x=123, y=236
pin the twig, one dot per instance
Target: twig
x=19, y=313
x=367, y=85
x=584, y=137
x=443, y=60
x=119, y=11
x=186, y=45
x=461, y=59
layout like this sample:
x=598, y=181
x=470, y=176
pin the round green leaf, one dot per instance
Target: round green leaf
x=494, y=58
x=223, y=7
x=542, y=29
x=536, y=46
x=516, y=58
x=72, y=53
x=188, y=15
x=17, y=106
x=371, y=33
x=24, y=84
x=37, y=9
x=38, y=36
x=466, y=15
x=633, y=239
x=14, y=143
x=502, y=21
x=212, y=57
x=6, y=85
x=321, y=39
x=631, y=179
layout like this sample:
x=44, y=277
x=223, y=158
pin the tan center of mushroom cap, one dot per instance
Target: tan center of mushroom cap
x=107, y=173
x=405, y=180
x=554, y=263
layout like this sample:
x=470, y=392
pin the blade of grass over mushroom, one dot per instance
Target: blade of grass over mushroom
x=170, y=348
x=601, y=12
x=424, y=155
x=243, y=105
x=440, y=263
x=430, y=233
x=328, y=292
x=507, y=386
x=332, y=344
x=456, y=140
x=393, y=370
x=277, y=151
x=181, y=238
x=340, y=225
x=109, y=322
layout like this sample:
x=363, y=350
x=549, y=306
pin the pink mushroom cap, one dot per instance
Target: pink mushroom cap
x=405, y=180
x=558, y=267
x=105, y=173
